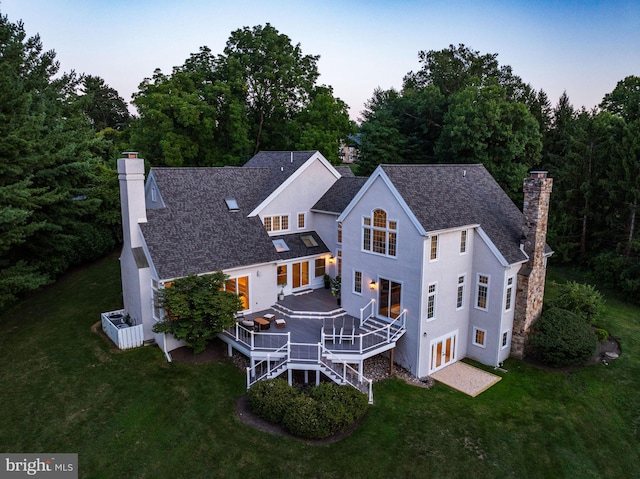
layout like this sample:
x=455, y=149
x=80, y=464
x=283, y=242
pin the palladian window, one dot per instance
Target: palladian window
x=379, y=234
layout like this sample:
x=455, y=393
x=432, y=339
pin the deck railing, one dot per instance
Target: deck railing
x=266, y=368
x=262, y=340
x=345, y=373
x=371, y=307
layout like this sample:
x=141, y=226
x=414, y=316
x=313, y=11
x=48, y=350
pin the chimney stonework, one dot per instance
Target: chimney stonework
x=531, y=278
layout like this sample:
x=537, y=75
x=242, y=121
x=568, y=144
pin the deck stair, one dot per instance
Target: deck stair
x=281, y=309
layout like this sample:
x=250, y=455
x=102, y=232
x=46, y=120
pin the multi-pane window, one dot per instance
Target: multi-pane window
x=509, y=293
x=479, y=336
x=339, y=232
x=320, y=267
x=482, y=291
x=433, y=255
x=460, y=294
x=379, y=234
x=505, y=339
x=239, y=286
x=276, y=223
x=463, y=241
x=282, y=274
x=302, y=221
x=339, y=253
x=357, y=281
x=431, y=302
x=155, y=297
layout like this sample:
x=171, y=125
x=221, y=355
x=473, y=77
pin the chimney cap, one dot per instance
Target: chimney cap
x=130, y=154
x=538, y=174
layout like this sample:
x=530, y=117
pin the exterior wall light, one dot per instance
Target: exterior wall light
x=373, y=284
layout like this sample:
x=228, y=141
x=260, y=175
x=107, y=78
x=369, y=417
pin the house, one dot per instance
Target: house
x=437, y=263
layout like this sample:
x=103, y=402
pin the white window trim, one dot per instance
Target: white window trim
x=387, y=231
x=361, y=282
x=473, y=337
x=435, y=301
x=304, y=220
x=466, y=243
x=433, y=260
x=508, y=292
x=508, y=333
x=475, y=303
x=458, y=286
x=278, y=231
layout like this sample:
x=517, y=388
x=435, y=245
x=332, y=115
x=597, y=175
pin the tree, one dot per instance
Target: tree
x=47, y=168
x=102, y=105
x=272, y=76
x=483, y=126
x=197, y=308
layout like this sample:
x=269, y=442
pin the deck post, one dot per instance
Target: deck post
x=306, y=376
x=229, y=350
x=360, y=368
x=391, y=351
x=290, y=377
x=318, y=378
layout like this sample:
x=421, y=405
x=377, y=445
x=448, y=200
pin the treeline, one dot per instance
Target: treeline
x=463, y=107
x=60, y=136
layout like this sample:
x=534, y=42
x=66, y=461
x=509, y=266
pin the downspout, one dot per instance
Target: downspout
x=164, y=347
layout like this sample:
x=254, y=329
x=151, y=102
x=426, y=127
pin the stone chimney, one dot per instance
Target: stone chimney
x=531, y=278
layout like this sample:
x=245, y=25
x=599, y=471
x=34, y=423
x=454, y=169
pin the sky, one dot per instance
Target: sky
x=581, y=47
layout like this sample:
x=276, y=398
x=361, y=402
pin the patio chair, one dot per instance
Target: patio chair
x=348, y=330
x=329, y=329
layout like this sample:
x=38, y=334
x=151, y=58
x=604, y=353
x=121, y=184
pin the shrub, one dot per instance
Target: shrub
x=602, y=334
x=313, y=413
x=561, y=338
x=270, y=399
x=579, y=298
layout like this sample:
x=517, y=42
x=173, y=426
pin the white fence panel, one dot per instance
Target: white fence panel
x=123, y=337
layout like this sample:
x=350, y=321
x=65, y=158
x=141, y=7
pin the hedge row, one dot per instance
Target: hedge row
x=313, y=413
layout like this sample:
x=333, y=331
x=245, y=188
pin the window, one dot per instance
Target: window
x=482, y=291
x=479, y=336
x=460, y=295
x=463, y=242
x=509, y=293
x=282, y=274
x=357, y=281
x=309, y=241
x=505, y=339
x=320, y=267
x=153, y=194
x=380, y=235
x=433, y=256
x=431, y=302
x=155, y=297
x=276, y=223
x=232, y=204
x=239, y=286
x=339, y=232
x=339, y=254
x=389, y=304
x=280, y=245
x=302, y=221
x=300, y=274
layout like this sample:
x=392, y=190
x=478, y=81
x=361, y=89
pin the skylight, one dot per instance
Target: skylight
x=309, y=241
x=280, y=245
x=232, y=204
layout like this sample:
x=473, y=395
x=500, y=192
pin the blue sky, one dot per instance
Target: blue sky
x=583, y=47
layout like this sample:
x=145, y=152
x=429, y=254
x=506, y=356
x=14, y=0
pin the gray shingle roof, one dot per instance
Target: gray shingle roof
x=450, y=196
x=196, y=232
x=297, y=248
x=281, y=164
x=336, y=199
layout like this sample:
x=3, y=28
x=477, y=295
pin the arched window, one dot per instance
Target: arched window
x=380, y=235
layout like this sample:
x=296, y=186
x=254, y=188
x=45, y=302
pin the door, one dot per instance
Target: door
x=300, y=274
x=443, y=352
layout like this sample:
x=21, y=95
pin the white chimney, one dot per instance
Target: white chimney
x=132, y=200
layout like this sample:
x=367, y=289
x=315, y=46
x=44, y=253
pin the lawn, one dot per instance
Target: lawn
x=131, y=414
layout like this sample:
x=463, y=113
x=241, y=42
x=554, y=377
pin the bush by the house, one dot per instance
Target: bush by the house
x=312, y=413
x=562, y=338
x=270, y=399
x=580, y=298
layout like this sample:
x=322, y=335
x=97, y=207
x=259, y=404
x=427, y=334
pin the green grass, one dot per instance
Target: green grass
x=132, y=415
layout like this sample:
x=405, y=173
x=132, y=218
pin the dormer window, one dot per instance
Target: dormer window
x=232, y=204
